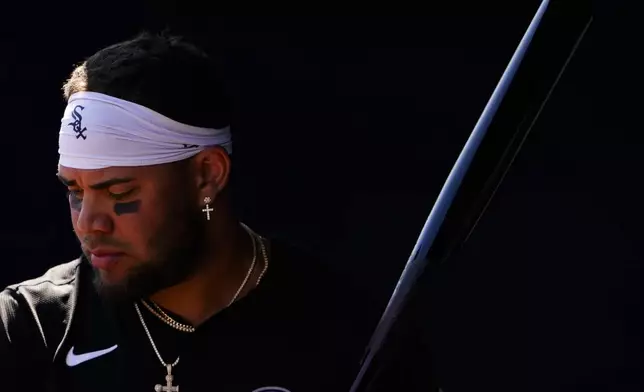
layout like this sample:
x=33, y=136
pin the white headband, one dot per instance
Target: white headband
x=98, y=131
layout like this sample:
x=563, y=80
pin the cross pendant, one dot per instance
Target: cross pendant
x=168, y=382
x=207, y=210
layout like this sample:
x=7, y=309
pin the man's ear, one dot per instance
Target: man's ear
x=212, y=171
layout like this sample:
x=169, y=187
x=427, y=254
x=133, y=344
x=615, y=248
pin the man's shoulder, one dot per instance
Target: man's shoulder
x=46, y=299
x=318, y=283
x=34, y=313
x=315, y=272
x=53, y=282
x=324, y=305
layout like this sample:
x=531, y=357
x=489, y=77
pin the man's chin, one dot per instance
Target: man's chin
x=132, y=284
x=120, y=287
x=112, y=290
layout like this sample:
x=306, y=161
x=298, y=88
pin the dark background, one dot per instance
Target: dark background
x=345, y=130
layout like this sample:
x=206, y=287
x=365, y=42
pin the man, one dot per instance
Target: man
x=171, y=292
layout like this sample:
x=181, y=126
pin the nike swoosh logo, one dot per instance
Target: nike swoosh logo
x=76, y=359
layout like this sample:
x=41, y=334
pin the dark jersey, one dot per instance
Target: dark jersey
x=302, y=329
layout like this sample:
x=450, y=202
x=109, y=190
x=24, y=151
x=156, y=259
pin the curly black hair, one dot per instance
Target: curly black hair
x=162, y=72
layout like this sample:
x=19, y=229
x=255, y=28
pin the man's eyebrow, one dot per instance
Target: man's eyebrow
x=65, y=181
x=99, y=186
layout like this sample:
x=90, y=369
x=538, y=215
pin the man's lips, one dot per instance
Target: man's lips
x=104, y=259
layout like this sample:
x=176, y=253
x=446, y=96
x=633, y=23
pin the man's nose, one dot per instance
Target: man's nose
x=93, y=217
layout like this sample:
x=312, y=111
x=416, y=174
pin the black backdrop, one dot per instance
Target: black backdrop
x=345, y=130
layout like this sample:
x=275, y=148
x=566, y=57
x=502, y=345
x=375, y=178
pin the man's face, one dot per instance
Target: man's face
x=140, y=227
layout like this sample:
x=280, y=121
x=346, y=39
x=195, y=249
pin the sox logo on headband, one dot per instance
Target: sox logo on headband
x=99, y=131
x=76, y=125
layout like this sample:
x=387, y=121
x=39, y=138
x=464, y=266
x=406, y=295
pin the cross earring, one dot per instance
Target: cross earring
x=207, y=210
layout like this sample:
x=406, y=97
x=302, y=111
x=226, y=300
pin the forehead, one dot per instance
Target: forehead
x=142, y=173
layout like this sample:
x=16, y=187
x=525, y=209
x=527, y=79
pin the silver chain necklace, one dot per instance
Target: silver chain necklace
x=169, y=378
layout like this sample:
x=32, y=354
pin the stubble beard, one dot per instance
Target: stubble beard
x=176, y=248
